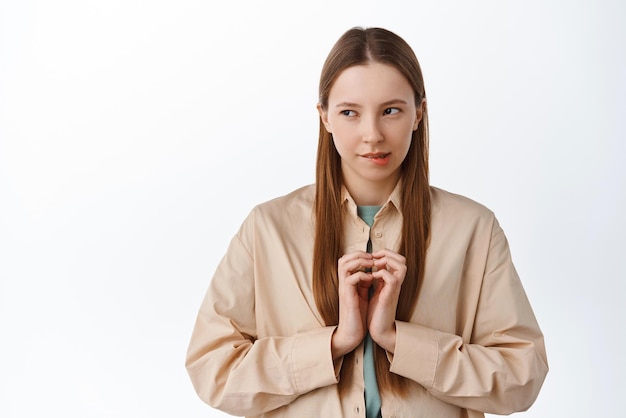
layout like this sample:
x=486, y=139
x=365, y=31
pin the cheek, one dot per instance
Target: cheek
x=340, y=145
x=405, y=139
x=343, y=140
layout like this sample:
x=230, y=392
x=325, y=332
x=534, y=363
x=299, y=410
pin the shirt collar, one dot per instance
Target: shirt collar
x=394, y=199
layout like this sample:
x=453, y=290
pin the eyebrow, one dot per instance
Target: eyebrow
x=387, y=103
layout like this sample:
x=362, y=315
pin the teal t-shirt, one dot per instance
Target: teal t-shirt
x=372, y=396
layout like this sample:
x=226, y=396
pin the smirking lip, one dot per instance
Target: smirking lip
x=378, y=158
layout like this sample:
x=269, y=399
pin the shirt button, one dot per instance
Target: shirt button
x=378, y=234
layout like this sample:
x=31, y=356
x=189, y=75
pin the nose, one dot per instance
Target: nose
x=371, y=131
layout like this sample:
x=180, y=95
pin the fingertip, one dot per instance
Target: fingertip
x=380, y=262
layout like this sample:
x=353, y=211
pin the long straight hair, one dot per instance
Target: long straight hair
x=360, y=46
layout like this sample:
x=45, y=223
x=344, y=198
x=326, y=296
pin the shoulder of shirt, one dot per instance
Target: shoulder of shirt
x=301, y=198
x=447, y=204
x=444, y=203
x=441, y=200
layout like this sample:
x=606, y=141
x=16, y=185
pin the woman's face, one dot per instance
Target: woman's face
x=371, y=115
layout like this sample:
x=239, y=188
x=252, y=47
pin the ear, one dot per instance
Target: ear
x=324, y=117
x=419, y=113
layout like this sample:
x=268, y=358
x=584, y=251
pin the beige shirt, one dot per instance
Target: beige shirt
x=260, y=347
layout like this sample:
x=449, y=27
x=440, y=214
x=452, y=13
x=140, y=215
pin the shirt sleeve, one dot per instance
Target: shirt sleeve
x=502, y=368
x=233, y=370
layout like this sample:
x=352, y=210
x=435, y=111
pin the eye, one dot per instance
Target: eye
x=348, y=113
x=391, y=111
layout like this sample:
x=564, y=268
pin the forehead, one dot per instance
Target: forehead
x=374, y=82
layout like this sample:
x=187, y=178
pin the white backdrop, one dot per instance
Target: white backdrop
x=135, y=136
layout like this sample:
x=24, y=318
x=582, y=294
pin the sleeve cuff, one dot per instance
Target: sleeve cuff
x=416, y=353
x=313, y=365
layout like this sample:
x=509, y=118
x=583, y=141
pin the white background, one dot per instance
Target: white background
x=135, y=136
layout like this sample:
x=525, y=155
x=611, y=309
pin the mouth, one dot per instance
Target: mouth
x=376, y=155
x=380, y=159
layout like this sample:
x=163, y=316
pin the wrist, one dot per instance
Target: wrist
x=340, y=346
x=386, y=340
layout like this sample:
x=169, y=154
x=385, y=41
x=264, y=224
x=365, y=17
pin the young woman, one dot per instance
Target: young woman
x=370, y=293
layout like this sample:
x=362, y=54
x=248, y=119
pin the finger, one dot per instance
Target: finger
x=390, y=264
x=388, y=277
x=359, y=278
x=385, y=252
x=355, y=254
x=350, y=265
